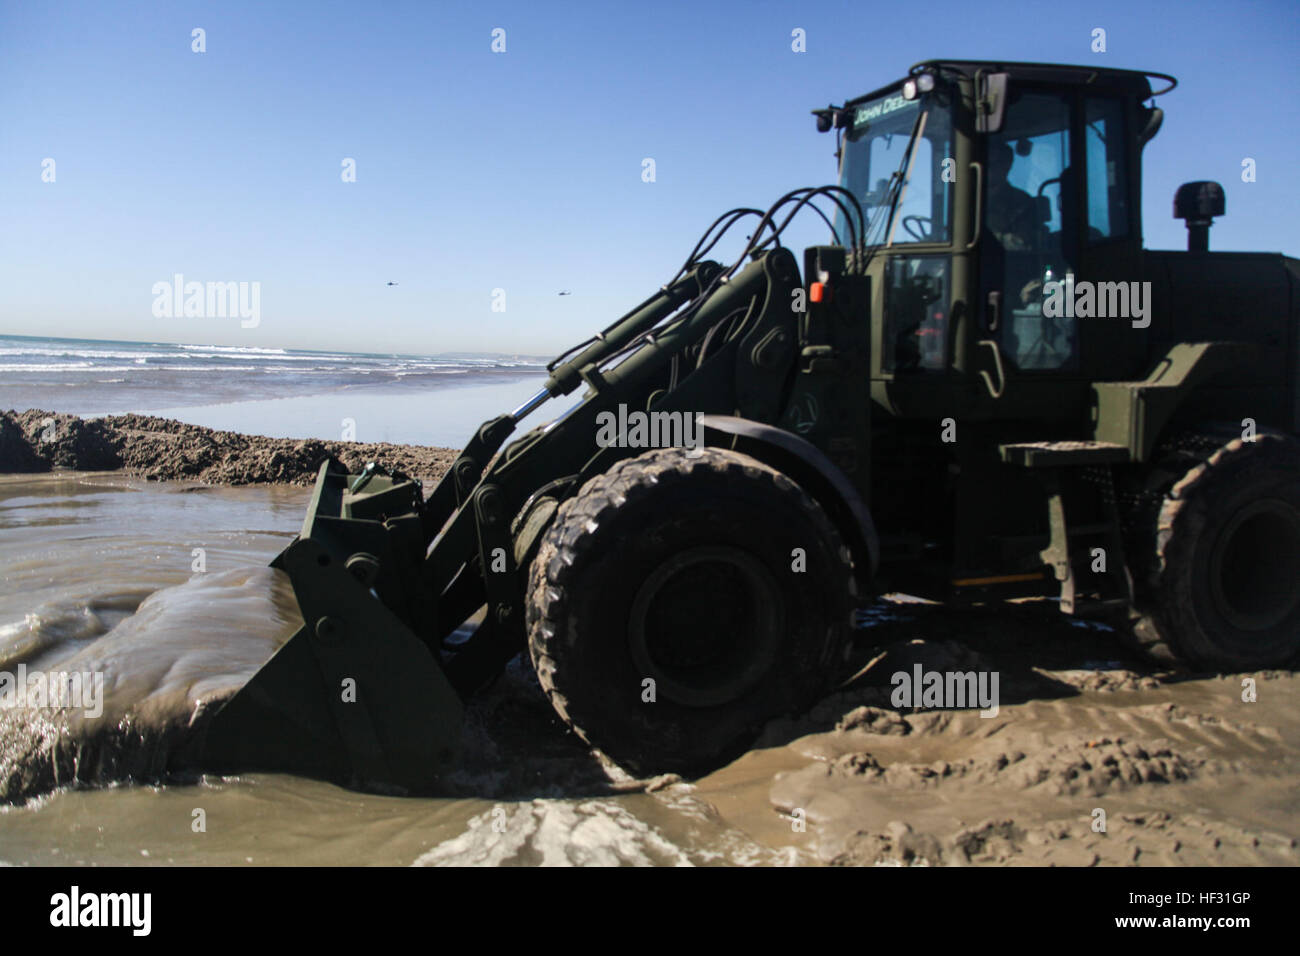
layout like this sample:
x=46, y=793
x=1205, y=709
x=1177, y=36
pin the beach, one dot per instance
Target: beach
x=124, y=536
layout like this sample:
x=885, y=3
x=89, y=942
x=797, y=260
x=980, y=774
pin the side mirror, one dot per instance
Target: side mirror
x=832, y=117
x=990, y=101
x=1155, y=119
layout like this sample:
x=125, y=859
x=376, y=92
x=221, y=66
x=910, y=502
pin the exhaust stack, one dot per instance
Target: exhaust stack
x=1198, y=203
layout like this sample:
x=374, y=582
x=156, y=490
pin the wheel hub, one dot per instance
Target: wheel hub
x=1255, y=565
x=705, y=625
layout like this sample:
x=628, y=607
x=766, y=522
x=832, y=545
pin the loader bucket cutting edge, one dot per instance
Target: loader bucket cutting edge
x=354, y=696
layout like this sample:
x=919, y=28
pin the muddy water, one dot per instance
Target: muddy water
x=1186, y=771
x=98, y=575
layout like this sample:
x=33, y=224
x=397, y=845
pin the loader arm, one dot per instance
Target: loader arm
x=478, y=543
x=368, y=692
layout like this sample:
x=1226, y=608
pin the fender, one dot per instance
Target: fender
x=824, y=481
x=1134, y=414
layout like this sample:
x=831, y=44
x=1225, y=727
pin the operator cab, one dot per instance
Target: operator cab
x=987, y=190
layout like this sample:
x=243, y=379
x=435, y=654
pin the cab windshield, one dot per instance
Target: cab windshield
x=877, y=154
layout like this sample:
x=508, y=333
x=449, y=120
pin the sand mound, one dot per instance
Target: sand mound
x=161, y=449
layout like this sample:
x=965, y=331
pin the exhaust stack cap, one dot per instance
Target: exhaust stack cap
x=1198, y=203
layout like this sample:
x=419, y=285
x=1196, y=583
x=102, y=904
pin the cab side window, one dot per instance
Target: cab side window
x=917, y=292
x=1108, y=201
x=1026, y=162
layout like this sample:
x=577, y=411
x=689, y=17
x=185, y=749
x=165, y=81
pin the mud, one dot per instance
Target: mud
x=161, y=449
x=1094, y=757
x=1184, y=770
x=1181, y=768
x=164, y=670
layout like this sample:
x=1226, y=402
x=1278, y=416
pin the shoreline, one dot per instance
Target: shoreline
x=162, y=449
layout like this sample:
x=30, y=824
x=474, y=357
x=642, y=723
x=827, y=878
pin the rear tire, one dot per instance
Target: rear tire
x=679, y=567
x=1221, y=588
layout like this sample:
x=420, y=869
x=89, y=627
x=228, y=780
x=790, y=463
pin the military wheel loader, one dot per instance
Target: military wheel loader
x=982, y=388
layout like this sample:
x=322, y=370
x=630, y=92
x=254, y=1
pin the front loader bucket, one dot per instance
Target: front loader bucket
x=354, y=696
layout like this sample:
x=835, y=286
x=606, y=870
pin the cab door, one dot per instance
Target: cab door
x=1029, y=236
x=1112, y=346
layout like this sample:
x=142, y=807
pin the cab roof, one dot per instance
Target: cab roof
x=1135, y=83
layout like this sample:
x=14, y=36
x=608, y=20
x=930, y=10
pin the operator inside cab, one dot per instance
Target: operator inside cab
x=1013, y=214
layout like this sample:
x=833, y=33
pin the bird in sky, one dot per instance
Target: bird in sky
x=392, y=283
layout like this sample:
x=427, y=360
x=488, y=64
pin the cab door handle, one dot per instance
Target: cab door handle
x=993, y=317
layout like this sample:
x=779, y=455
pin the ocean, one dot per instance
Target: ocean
x=280, y=393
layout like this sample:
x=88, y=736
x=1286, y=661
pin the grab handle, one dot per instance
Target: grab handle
x=997, y=364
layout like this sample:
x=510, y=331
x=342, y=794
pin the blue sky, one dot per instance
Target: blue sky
x=521, y=170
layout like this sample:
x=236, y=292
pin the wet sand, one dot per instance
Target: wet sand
x=1184, y=770
x=1178, y=768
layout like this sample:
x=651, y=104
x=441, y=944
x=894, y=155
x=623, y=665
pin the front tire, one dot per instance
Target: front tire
x=1222, y=588
x=683, y=598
